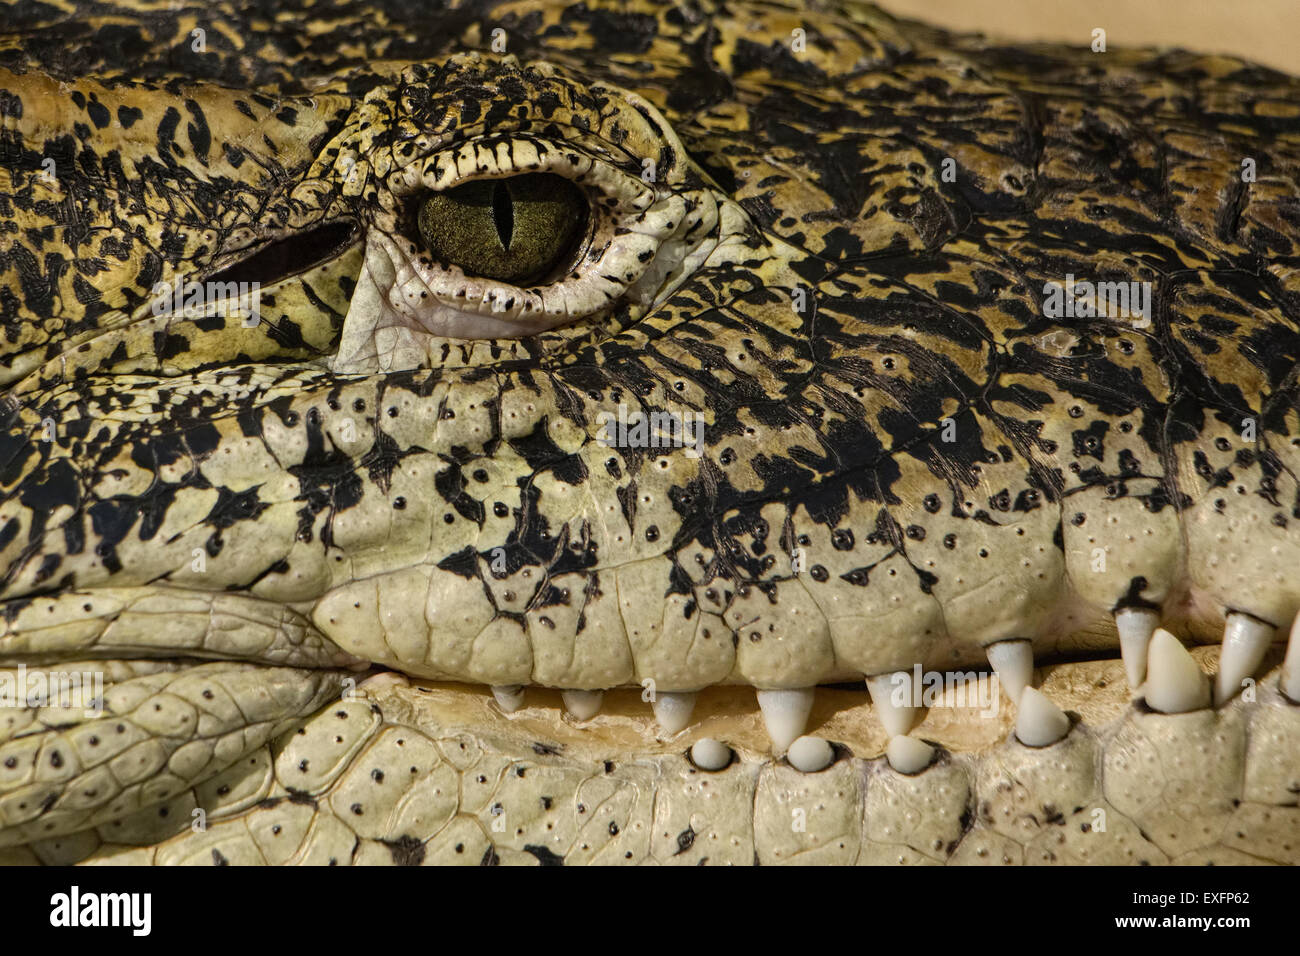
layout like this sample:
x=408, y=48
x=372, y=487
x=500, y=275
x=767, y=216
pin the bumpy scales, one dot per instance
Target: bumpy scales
x=878, y=349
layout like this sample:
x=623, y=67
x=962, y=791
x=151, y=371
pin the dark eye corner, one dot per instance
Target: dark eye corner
x=284, y=258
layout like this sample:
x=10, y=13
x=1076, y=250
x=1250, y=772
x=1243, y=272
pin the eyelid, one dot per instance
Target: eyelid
x=465, y=162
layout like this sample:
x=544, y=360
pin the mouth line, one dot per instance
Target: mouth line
x=1093, y=692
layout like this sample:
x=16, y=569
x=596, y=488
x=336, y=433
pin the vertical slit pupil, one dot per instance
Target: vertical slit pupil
x=503, y=213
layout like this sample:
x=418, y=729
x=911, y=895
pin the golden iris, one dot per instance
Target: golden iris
x=519, y=230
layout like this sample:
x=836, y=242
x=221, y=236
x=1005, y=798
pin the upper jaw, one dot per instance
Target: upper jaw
x=123, y=623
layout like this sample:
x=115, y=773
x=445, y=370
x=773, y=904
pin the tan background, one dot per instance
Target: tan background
x=1267, y=31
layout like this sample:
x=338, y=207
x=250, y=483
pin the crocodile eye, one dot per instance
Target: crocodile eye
x=521, y=230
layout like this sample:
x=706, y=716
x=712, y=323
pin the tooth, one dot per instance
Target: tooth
x=909, y=755
x=810, y=754
x=673, y=711
x=1135, y=626
x=384, y=679
x=1175, y=683
x=510, y=697
x=1290, y=683
x=582, y=704
x=710, y=754
x=1039, y=722
x=786, y=713
x=1013, y=662
x=1245, y=641
x=885, y=689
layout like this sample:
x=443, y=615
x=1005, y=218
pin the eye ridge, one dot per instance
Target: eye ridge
x=524, y=230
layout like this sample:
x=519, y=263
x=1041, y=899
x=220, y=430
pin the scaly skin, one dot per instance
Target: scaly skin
x=904, y=459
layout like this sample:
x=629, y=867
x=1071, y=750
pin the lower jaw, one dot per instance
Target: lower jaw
x=436, y=773
x=1126, y=785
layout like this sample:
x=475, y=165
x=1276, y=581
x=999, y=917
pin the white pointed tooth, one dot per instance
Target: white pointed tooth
x=510, y=697
x=1245, y=641
x=1135, y=626
x=673, y=711
x=1175, y=684
x=1013, y=662
x=893, y=695
x=710, y=754
x=785, y=712
x=810, y=754
x=582, y=704
x=383, y=680
x=1039, y=722
x=908, y=755
x=1290, y=683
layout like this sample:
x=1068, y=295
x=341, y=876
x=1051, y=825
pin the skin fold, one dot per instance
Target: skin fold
x=297, y=554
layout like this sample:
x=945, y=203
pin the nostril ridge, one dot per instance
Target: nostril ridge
x=503, y=213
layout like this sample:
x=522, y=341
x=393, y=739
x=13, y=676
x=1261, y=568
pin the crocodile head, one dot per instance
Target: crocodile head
x=659, y=353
